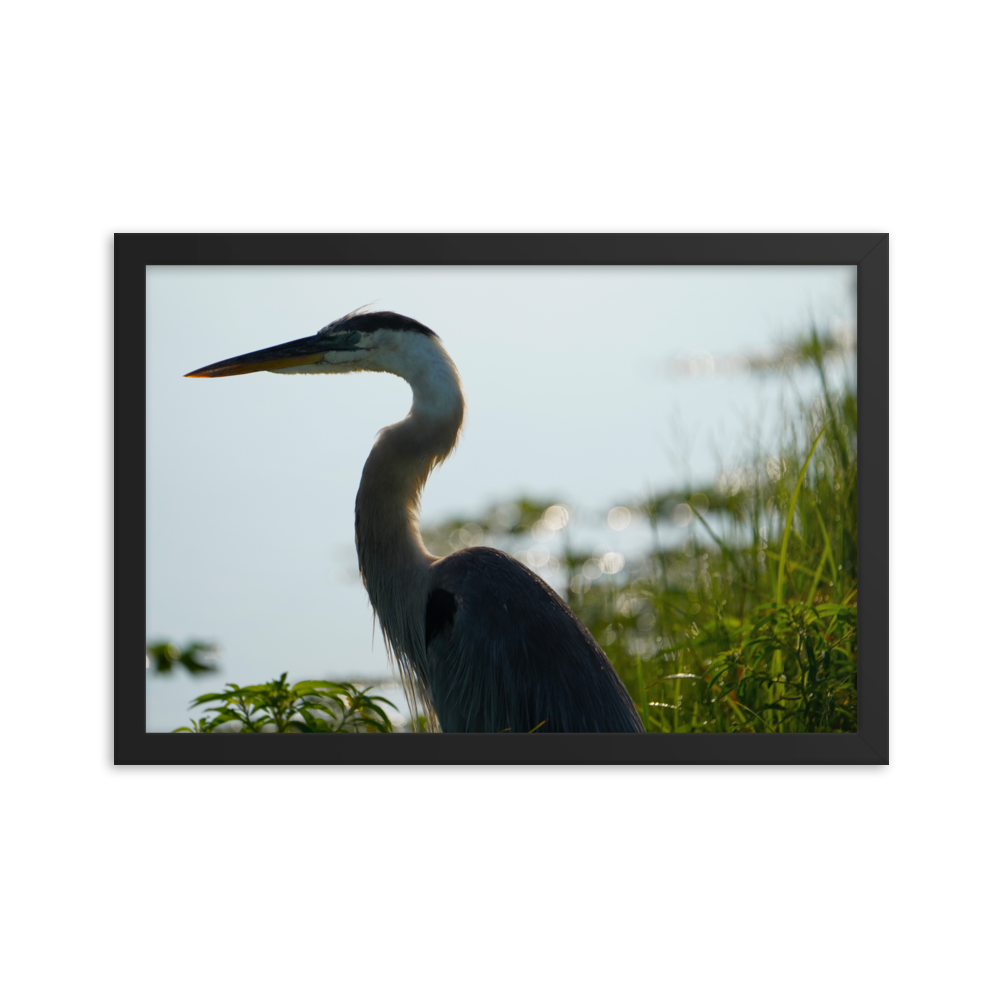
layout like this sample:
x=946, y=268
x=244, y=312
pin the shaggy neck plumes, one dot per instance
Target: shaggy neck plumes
x=391, y=555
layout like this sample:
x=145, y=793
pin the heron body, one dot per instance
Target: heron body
x=482, y=642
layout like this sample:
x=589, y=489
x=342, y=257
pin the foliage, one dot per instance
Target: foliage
x=164, y=656
x=280, y=707
x=514, y=518
x=755, y=631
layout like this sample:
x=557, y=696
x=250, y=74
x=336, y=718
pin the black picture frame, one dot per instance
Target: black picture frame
x=869, y=252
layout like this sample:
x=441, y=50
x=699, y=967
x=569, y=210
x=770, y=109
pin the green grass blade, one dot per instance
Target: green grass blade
x=828, y=543
x=726, y=551
x=791, y=514
x=819, y=573
x=644, y=704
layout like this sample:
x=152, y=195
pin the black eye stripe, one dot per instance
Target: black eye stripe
x=341, y=341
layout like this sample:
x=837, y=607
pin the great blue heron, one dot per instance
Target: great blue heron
x=482, y=642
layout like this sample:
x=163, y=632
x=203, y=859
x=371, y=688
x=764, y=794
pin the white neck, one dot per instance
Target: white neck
x=391, y=555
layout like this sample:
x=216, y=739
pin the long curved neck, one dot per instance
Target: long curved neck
x=391, y=555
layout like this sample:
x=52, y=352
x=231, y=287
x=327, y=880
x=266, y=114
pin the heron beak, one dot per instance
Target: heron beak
x=295, y=352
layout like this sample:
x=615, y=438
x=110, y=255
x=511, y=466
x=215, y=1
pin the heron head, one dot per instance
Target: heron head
x=359, y=341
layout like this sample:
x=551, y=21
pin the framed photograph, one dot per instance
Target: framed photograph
x=624, y=498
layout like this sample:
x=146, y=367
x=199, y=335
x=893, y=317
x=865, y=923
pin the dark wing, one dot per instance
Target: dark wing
x=505, y=652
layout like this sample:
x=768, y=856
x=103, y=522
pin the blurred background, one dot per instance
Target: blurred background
x=588, y=390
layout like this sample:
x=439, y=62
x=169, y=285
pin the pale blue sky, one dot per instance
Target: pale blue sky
x=251, y=480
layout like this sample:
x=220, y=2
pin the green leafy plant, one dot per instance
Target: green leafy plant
x=280, y=707
x=195, y=657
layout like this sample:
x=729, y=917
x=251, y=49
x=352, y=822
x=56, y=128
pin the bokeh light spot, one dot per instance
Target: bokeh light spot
x=682, y=515
x=612, y=562
x=619, y=518
x=556, y=517
x=540, y=531
x=700, y=503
